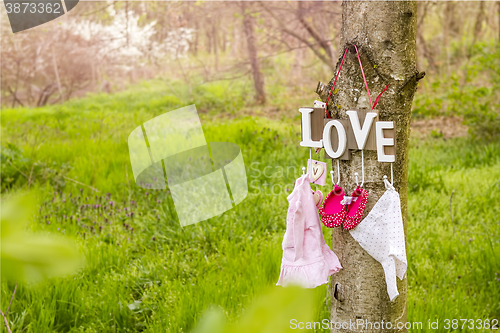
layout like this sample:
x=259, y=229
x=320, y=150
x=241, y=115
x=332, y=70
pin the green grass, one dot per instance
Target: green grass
x=454, y=265
x=146, y=273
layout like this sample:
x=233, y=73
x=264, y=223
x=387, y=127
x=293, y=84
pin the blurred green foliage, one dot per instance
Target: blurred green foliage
x=471, y=92
x=271, y=313
x=27, y=256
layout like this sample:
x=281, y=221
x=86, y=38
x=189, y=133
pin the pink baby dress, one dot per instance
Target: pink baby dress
x=307, y=260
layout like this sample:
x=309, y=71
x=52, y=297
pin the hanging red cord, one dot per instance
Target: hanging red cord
x=364, y=78
x=366, y=84
x=335, y=81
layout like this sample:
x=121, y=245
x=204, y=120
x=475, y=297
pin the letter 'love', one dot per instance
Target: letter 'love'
x=360, y=134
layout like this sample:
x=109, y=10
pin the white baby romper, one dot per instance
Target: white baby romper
x=381, y=234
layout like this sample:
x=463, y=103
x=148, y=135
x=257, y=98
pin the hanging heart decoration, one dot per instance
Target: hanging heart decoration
x=317, y=170
x=317, y=197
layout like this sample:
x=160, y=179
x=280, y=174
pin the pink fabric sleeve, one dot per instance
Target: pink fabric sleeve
x=298, y=230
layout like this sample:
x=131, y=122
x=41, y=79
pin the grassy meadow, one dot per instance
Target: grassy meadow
x=143, y=272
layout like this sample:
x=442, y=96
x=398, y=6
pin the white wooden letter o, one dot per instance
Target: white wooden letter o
x=327, y=142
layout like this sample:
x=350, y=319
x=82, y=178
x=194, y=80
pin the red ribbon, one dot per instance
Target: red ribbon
x=336, y=77
x=364, y=79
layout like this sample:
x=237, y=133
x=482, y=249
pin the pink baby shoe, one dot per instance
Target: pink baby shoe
x=333, y=212
x=356, y=209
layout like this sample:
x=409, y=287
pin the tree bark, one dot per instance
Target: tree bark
x=385, y=34
x=258, y=78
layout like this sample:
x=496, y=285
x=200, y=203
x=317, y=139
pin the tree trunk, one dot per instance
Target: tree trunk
x=426, y=51
x=299, y=57
x=14, y=93
x=478, y=26
x=223, y=40
x=196, y=38
x=258, y=78
x=479, y=20
x=215, y=46
x=451, y=29
x=208, y=32
x=58, y=81
x=385, y=34
x=498, y=7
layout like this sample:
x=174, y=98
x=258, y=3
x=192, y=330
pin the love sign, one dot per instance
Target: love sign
x=361, y=131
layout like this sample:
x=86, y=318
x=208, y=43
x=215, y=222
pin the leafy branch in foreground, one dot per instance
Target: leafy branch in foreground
x=30, y=257
x=275, y=312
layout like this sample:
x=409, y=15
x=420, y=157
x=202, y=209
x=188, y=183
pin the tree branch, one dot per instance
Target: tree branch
x=99, y=10
x=11, y=299
x=4, y=315
x=77, y=182
x=22, y=173
x=14, y=95
x=303, y=40
x=323, y=43
x=5, y=322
